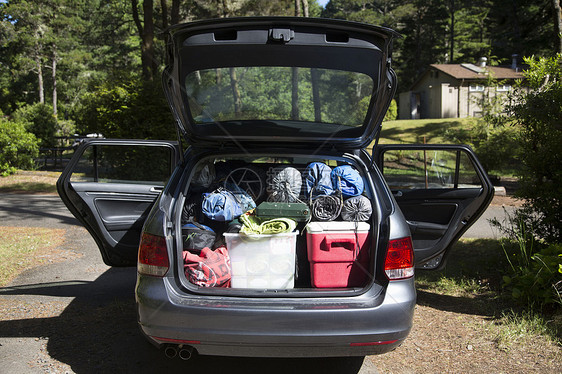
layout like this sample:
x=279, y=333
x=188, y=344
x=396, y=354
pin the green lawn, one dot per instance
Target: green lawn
x=22, y=248
x=413, y=131
x=33, y=182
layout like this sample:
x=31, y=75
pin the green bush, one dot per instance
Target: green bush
x=538, y=113
x=127, y=108
x=538, y=282
x=534, y=272
x=497, y=147
x=39, y=120
x=392, y=112
x=18, y=148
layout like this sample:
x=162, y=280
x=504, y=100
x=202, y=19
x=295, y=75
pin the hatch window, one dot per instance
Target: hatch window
x=271, y=93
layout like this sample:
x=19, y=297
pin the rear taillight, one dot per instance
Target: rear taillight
x=399, y=261
x=153, y=255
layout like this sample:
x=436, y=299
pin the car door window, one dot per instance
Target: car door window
x=117, y=164
x=441, y=189
x=407, y=169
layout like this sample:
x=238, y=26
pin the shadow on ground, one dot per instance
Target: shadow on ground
x=472, y=274
x=98, y=333
x=32, y=210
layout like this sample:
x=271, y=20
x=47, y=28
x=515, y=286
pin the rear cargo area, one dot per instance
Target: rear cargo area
x=278, y=223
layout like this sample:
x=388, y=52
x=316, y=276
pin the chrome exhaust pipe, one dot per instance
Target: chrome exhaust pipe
x=185, y=353
x=170, y=351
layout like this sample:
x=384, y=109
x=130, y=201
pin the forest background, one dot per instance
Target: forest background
x=93, y=66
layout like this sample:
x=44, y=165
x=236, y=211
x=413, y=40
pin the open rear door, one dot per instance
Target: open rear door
x=110, y=187
x=441, y=190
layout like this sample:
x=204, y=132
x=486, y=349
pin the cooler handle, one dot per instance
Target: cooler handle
x=347, y=243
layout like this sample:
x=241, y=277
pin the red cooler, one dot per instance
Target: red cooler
x=338, y=252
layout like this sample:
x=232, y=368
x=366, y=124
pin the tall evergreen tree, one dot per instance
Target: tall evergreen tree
x=425, y=40
x=43, y=35
x=469, y=35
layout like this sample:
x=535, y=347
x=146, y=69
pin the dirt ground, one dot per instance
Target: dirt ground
x=448, y=338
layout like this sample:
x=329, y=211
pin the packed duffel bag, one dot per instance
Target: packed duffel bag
x=209, y=268
x=224, y=205
x=197, y=236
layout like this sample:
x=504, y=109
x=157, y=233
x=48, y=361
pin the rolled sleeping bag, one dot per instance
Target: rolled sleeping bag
x=347, y=180
x=285, y=186
x=317, y=180
x=326, y=207
x=358, y=209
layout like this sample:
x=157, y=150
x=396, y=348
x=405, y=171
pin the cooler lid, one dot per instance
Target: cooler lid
x=337, y=226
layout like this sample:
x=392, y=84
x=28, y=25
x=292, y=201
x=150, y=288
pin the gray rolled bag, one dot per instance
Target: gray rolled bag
x=358, y=209
x=285, y=186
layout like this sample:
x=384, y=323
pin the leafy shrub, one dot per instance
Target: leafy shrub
x=539, y=282
x=392, y=112
x=534, y=274
x=18, y=148
x=497, y=147
x=127, y=108
x=39, y=120
x=538, y=112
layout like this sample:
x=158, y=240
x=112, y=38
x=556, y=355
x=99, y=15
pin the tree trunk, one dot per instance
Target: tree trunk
x=452, y=35
x=305, y=7
x=164, y=7
x=316, y=95
x=175, y=12
x=54, y=83
x=148, y=41
x=295, y=77
x=235, y=93
x=146, y=33
x=515, y=25
x=40, y=79
x=557, y=10
x=313, y=78
x=295, y=93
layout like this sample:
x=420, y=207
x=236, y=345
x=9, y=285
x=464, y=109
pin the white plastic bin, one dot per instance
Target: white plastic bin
x=262, y=261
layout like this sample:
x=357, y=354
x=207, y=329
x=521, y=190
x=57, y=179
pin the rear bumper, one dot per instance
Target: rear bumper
x=257, y=327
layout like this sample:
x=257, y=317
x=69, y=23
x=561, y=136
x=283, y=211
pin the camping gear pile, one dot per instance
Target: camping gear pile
x=241, y=224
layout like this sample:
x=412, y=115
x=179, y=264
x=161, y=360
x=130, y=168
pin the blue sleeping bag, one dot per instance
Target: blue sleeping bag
x=348, y=180
x=317, y=180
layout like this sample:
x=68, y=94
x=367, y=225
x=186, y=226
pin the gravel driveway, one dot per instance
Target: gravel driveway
x=78, y=315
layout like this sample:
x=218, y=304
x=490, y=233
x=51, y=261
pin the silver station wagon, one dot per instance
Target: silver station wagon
x=276, y=226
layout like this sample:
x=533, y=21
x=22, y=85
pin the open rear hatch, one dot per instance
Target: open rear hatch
x=284, y=81
x=306, y=88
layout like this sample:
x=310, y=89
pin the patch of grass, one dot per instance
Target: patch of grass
x=28, y=187
x=473, y=267
x=472, y=280
x=524, y=328
x=461, y=287
x=413, y=131
x=32, y=182
x=25, y=247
